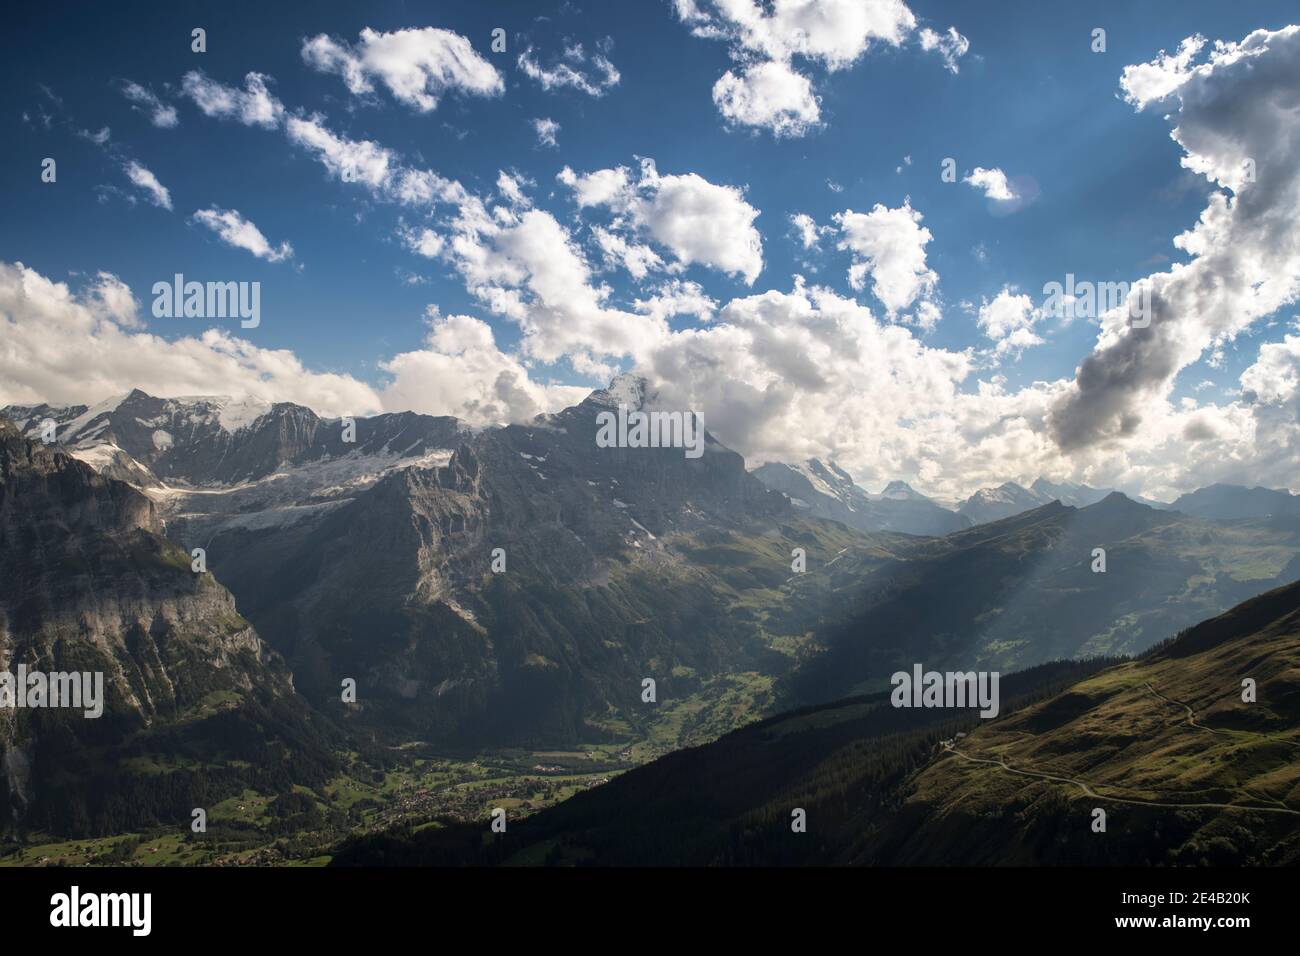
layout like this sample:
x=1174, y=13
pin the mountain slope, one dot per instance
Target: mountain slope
x=195, y=706
x=523, y=589
x=1227, y=502
x=1187, y=773
x=1165, y=745
x=1023, y=590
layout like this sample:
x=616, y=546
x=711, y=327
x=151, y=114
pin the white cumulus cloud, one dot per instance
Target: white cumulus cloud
x=571, y=71
x=993, y=182
x=100, y=353
x=950, y=45
x=418, y=66
x=234, y=230
x=696, y=220
x=254, y=105
x=769, y=95
x=545, y=129
x=148, y=183
x=460, y=371
x=888, y=246
x=766, y=91
x=160, y=114
x=1238, y=126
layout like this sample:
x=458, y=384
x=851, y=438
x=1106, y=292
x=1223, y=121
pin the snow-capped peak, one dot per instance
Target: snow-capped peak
x=627, y=388
x=94, y=411
x=1008, y=492
x=236, y=413
x=821, y=477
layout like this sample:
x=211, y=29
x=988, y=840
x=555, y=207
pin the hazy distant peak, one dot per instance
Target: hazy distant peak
x=1007, y=491
x=899, y=490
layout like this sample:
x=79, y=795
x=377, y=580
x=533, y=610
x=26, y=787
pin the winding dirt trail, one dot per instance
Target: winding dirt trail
x=1191, y=720
x=1089, y=791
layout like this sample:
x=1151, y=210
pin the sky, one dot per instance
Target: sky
x=829, y=226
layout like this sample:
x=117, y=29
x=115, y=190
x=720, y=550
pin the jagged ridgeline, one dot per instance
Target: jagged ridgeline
x=1192, y=751
x=516, y=585
x=498, y=586
x=195, y=707
x=519, y=589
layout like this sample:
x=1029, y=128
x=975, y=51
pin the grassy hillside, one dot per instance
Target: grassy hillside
x=1186, y=772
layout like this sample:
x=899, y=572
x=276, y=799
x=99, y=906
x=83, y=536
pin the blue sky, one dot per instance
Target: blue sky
x=1101, y=191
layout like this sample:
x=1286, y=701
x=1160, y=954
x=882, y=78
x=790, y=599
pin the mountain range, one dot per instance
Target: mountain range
x=517, y=587
x=824, y=490
x=1227, y=502
x=506, y=585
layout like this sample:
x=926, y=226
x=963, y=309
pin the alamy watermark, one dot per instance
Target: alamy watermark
x=637, y=429
x=922, y=688
x=208, y=300
x=79, y=690
x=1091, y=300
x=133, y=911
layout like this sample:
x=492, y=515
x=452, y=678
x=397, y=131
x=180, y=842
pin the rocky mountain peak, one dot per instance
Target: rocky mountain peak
x=901, y=491
x=627, y=389
x=36, y=481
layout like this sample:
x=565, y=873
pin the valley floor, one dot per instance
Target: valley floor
x=423, y=787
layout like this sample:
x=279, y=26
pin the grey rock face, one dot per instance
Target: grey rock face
x=88, y=584
x=395, y=585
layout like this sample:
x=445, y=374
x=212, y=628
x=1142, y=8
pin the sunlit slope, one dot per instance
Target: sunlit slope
x=1186, y=772
x=1029, y=589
